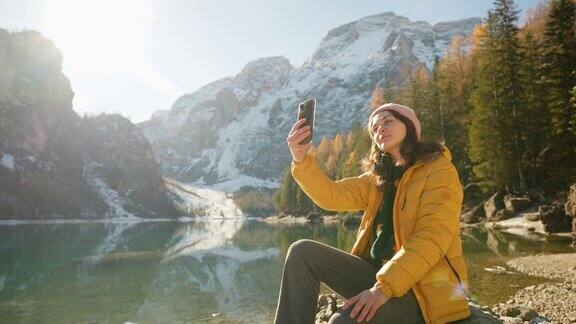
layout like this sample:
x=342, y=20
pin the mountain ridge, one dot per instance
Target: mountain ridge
x=231, y=133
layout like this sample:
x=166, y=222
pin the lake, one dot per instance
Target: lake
x=184, y=272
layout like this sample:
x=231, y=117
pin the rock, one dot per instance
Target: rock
x=479, y=315
x=328, y=304
x=511, y=320
x=476, y=215
x=502, y=214
x=511, y=311
x=472, y=195
x=538, y=196
x=527, y=314
x=570, y=205
x=498, y=270
x=532, y=216
x=554, y=218
x=313, y=216
x=492, y=205
x=516, y=204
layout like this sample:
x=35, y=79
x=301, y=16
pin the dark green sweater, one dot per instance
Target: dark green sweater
x=383, y=246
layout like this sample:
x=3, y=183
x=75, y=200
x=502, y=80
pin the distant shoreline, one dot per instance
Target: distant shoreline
x=8, y=222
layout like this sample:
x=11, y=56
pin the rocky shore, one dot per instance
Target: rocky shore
x=554, y=300
x=328, y=304
x=530, y=214
x=344, y=218
x=551, y=302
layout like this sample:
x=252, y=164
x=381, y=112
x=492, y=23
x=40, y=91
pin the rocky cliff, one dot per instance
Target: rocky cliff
x=56, y=164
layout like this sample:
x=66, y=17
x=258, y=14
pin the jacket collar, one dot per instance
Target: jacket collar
x=445, y=153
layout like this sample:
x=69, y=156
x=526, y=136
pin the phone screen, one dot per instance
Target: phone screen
x=307, y=110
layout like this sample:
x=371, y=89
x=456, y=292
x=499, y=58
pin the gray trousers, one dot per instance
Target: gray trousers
x=308, y=263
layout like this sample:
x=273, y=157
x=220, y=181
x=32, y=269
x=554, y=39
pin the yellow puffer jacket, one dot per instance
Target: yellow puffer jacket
x=426, y=216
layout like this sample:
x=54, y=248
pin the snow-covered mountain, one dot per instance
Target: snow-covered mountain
x=232, y=132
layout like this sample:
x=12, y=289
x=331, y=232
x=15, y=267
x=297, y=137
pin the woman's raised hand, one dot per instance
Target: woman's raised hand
x=296, y=135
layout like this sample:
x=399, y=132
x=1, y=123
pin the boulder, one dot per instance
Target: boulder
x=493, y=204
x=476, y=215
x=570, y=205
x=502, y=214
x=472, y=195
x=527, y=314
x=554, y=218
x=516, y=204
x=511, y=313
x=532, y=216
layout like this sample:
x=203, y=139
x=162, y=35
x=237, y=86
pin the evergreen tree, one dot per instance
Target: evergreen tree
x=303, y=204
x=454, y=79
x=560, y=64
x=485, y=128
x=285, y=196
x=534, y=100
x=507, y=66
x=495, y=134
x=574, y=97
x=559, y=70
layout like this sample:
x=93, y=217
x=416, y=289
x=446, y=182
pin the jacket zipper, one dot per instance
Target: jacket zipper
x=397, y=240
x=458, y=277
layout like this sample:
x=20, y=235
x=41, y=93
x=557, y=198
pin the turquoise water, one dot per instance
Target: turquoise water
x=217, y=271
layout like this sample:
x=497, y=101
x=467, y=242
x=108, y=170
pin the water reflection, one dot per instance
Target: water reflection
x=185, y=272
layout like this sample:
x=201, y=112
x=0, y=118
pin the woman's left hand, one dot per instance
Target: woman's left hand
x=367, y=302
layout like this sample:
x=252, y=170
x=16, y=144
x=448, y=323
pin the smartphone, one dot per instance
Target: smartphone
x=306, y=110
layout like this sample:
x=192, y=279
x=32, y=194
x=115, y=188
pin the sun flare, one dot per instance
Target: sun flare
x=100, y=36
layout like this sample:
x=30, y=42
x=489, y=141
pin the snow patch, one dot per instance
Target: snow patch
x=112, y=199
x=7, y=162
x=214, y=203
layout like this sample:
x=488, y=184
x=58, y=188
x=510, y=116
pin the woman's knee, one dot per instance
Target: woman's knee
x=300, y=247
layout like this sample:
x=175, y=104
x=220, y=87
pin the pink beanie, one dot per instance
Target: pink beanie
x=402, y=110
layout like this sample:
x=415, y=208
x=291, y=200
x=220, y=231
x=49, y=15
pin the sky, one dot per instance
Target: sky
x=135, y=57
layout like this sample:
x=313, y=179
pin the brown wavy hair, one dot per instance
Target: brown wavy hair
x=379, y=163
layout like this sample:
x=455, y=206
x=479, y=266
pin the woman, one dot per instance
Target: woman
x=406, y=265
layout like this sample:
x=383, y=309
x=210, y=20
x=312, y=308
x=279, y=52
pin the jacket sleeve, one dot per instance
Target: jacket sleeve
x=348, y=194
x=437, y=223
